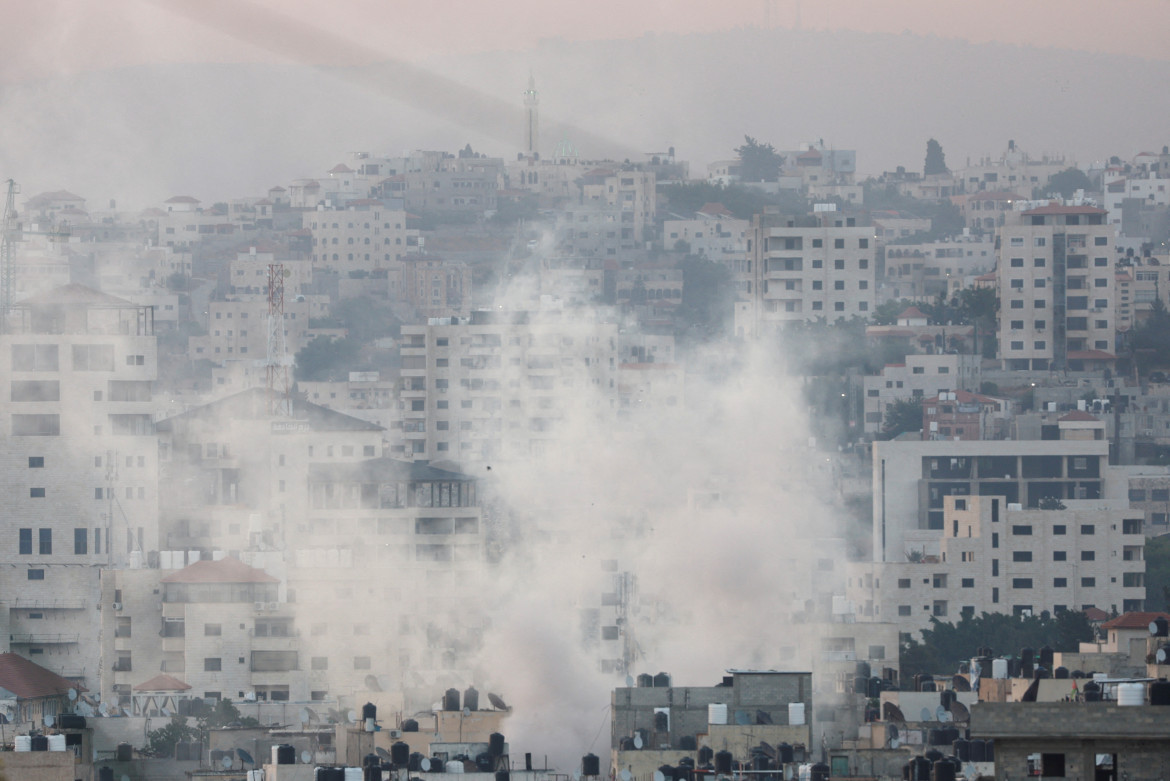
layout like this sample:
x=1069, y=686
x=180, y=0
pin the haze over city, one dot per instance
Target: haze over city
x=647, y=391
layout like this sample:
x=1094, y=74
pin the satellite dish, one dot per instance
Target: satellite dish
x=497, y=702
x=103, y=710
x=312, y=713
x=637, y=741
x=383, y=753
x=351, y=716
x=629, y=681
x=97, y=696
x=926, y=715
x=940, y=713
x=306, y=757
x=304, y=715
x=626, y=775
x=1154, y=628
x=577, y=774
x=946, y=716
x=425, y=764
x=72, y=694
x=49, y=720
x=166, y=712
x=659, y=776
x=245, y=756
x=226, y=762
x=896, y=743
x=3, y=718
x=467, y=711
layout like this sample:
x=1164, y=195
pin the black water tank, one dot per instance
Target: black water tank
x=369, y=711
x=451, y=699
x=942, y=771
x=920, y=769
x=687, y=762
x=875, y=687
x=484, y=762
x=400, y=754
x=962, y=749
x=410, y=725
x=1060, y=673
x=40, y=743
x=626, y=744
x=590, y=765
x=471, y=698
x=1092, y=691
x=1161, y=627
x=1027, y=655
x=929, y=686
x=862, y=670
x=367, y=760
x=723, y=762
x=936, y=737
x=1015, y=668
x=496, y=744
x=906, y=772
x=437, y=765
x=286, y=754
x=946, y=697
x=861, y=686
x=667, y=772
x=819, y=772
x=687, y=743
x=784, y=753
x=645, y=681
x=991, y=751
x=415, y=761
x=502, y=775
x=978, y=750
x=1045, y=656
x=70, y=721
x=123, y=753
x=662, y=681
x=706, y=753
x=1160, y=693
x=760, y=761
x=372, y=772
x=106, y=774
x=661, y=721
x=1041, y=673
x=933, y=755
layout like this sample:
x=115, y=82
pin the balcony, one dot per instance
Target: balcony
x=24, y=603
x=41, y=638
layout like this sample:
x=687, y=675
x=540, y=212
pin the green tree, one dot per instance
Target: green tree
x=1157, y=556
x=365, y=319
x=944, y=645
x=178, y=282
x=325, y=358
x=902, y=416
x=161, y=742
x=979, y=307
x=1150, y=342
x=1065, y=184
x=936, y=161
x=706, y=307
x=758, y=162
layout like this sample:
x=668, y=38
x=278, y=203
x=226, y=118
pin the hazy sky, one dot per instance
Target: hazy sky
x=51, y=37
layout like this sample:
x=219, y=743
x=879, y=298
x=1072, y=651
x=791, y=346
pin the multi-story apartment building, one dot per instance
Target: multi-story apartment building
x=995, y=556
x=1145, y=191
x=920, y=376
x=497, y=384
x=1056, y=283
x=959, y=415
x=712, y=232
x=938, y=268
x=630, y=192
x=804, y=268
x=434, y=286
x=80, y=467
x=911, y=480
x=365, y=235
x=237, y=330
x=1139, y=284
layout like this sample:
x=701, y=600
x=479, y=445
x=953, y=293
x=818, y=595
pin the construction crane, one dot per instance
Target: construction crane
x=277, y=360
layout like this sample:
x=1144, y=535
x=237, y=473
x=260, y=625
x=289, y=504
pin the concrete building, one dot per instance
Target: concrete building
x=674, y=721
x=958, y=415
x=996, y=557
x=804, y=268
x=938, y=268
x=712, y=232
x=920, y=376
x=497, y=383
x=365, y=235
x=1056, y=283
x=80, y=478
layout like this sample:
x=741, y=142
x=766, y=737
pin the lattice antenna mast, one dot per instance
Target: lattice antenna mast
x=277, y=361
x=11, y=234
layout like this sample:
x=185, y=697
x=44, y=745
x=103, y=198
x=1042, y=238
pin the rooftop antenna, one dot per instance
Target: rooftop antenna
x=8, y=239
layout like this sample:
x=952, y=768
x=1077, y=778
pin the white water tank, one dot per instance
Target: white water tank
x=999, y=668
x=135, y=559
x=1131, y=694
x=795, y=713
x=23, y=743
x=56, y=743
x=454, y=767
x=717, y=713
x=353, y=774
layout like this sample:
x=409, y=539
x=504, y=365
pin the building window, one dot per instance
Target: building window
x=319, y=663
x=1022, y=555
x=36, y=493
x=1088, y=528
x=46, y=542
x=1059, y=555
x=36, y=462
x=1060, y=582
x=212, y=664
x=80, y=542
x=212, y=630
x=1022, y=530
x=361, y=663
x=1021, y=583
x=903, y=610
x=1088, y=582
x=1088, y=555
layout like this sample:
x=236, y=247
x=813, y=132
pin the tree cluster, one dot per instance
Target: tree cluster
x=944, y=645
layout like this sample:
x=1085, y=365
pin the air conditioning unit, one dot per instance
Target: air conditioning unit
x=395, y=734
x=259, y=607
x=272, y=605
x=117, y=606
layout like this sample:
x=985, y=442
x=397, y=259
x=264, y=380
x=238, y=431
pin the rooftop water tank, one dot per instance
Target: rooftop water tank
x=1131, y=694
x=471, y=698
x=590, y=765
x=717, y=713
x=999, y=668
x=451, y=699
x=795, y=714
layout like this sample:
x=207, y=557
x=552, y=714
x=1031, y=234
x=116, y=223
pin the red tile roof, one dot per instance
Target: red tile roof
x=182, y=199
x=715, y=208
x=226, y=570
x=341, y=168
x=1095, y=614
x=1134, y=621
x=29, y=680
x=912, y=312
x=162, y=683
